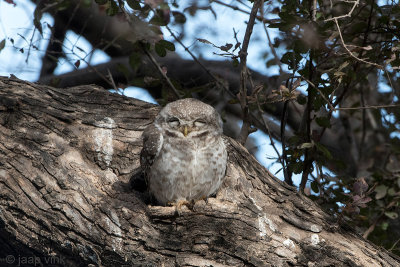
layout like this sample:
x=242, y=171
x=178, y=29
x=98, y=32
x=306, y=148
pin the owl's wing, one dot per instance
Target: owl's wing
x=152, y=143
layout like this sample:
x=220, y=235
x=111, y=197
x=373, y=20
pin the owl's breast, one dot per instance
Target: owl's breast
x=185, y=169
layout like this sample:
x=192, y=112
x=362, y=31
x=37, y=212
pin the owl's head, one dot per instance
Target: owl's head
x=189, y=117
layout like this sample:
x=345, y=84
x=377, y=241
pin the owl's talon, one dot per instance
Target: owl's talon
x=178, y=205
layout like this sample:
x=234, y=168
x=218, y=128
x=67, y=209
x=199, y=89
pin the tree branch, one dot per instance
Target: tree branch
x=242, y=96
x=73, y=166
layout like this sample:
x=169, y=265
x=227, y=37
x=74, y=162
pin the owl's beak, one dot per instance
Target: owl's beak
x=186, y=130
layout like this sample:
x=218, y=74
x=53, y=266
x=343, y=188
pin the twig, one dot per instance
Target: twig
x=308, y=155
x=49, y=6
x=371, y=228
x=286, y=173
x=270, y=135
x=394, y=245
x=322, y=95
x=346, y=89
x=198, y=62
x=155, y=63
x=277, y=60
x=223, y=85
x=242, y=95
x=226, y=88
x=349, y=52
x=260, y=18
x=149, y=55
x=30, y=45
x=95, y=70
x=314, y=10
x=363, y=123
x=368, y=107
x=112, y=81
x=355, y=3
x=391, y=84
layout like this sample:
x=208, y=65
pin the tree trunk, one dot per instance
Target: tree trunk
x=67, y=164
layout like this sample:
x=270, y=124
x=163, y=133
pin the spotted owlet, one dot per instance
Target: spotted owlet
x=184, y=156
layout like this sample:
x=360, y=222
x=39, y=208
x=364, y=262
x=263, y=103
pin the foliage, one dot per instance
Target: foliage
x=346, y=55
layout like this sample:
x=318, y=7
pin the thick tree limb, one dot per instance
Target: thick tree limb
x=66, y=160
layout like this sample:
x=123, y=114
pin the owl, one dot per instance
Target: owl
x=184, y=156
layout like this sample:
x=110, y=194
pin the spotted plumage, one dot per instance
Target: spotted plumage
x=184, y=156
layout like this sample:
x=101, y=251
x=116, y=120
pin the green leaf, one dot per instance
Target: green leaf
x=37, y=16
x=112, y=8
x=160, y=50
x=291, y=59
x=293, y=140
x=359, y=26
x=156, y=29
x=138, y=81
x=344, y=65
x=300, y=47
x=306, y=145
x=2, y=44
x=384, y=226
x=324, y=150
x=381, y=191
x=134, y=4
x=318, y=101
x=158, y=18
x=301, y=99
x=146, y=46
x=391, y=192
x=314, y=186
x=339, y=73
x=276, y=25
x=391, y=215
x=204, y=41
x=124, y=70
x=63, y=5
x=270, y=62
x=155, y=20
x=179, y=17
x=296, y=167
x=233, y=101
x=167, y=45
x=226, y=47
x=323, y=122
x=135, y=60
x=235, y=62
x=87, y=3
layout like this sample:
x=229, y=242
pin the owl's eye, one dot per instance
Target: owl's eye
x=199, y=123
x=173, y=122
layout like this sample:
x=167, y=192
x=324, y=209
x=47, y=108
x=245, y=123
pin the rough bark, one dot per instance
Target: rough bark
x=67, y=158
